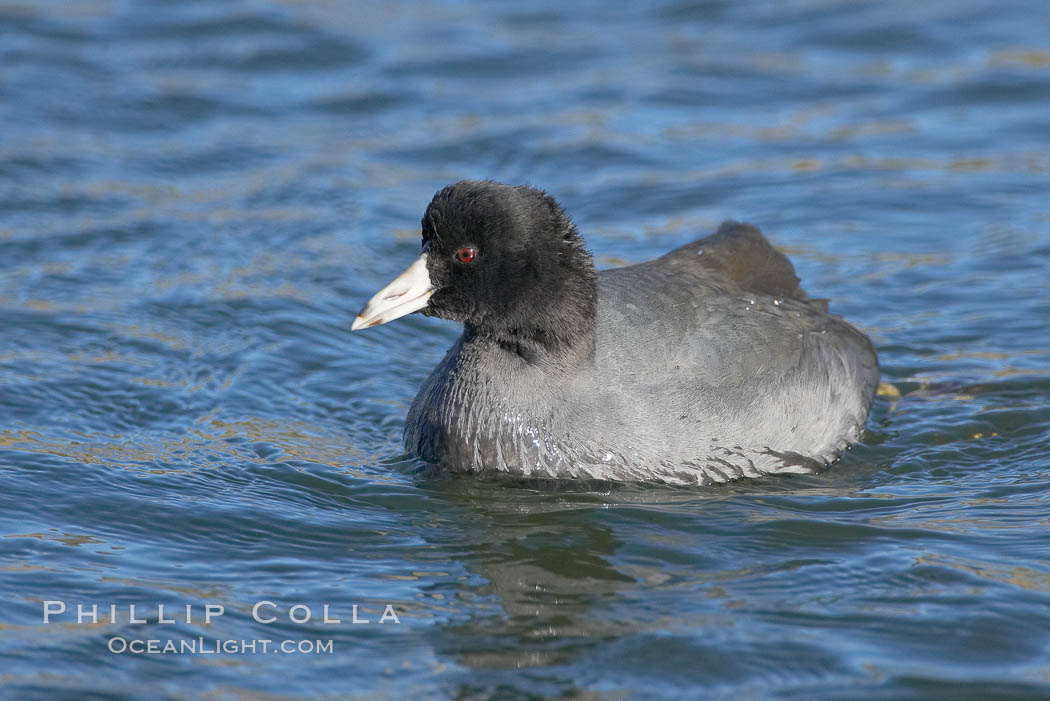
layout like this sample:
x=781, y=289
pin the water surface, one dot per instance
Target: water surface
x=197, y=197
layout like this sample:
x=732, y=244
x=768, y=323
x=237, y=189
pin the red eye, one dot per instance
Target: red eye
x=465, y=255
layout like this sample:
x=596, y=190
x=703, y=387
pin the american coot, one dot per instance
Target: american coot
x=707, y=364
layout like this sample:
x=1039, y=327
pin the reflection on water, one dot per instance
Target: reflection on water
x=195, y=198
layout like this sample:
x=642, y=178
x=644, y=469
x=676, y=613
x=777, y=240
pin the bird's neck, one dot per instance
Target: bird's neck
x=558, y=332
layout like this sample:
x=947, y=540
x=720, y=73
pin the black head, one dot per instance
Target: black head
x=508, y=263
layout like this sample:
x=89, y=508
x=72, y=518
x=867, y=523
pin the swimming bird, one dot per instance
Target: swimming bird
x=707, y=364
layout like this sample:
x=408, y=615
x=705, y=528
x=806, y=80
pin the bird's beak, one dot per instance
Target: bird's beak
x=408, y=292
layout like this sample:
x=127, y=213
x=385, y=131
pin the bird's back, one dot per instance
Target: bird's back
x=715, y=350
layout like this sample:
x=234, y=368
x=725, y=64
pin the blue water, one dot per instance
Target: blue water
x=196, y=198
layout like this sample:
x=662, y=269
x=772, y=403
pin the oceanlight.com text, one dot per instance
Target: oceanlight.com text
x=214, y=646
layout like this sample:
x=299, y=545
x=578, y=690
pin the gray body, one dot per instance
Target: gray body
x=707, y=364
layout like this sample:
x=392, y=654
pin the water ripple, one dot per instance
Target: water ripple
x=196, y=198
